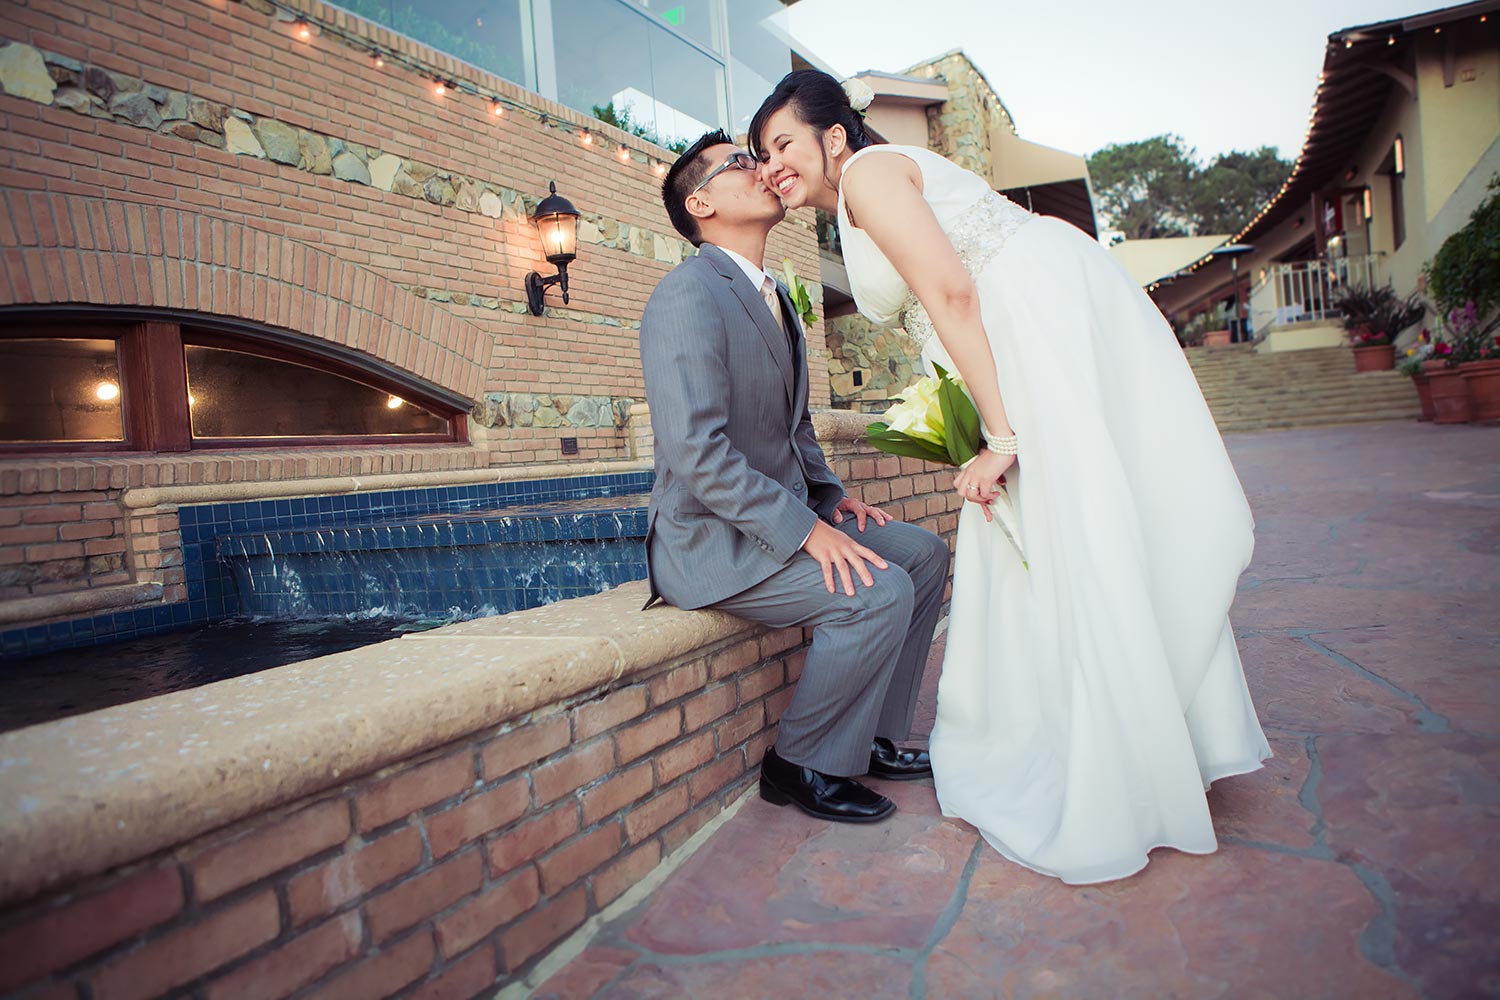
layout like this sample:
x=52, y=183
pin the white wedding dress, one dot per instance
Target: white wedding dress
x=1086, y=702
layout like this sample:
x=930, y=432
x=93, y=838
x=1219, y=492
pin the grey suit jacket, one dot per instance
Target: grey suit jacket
x=740, y=479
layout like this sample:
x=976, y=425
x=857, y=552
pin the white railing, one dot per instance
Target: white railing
x=1306, y=290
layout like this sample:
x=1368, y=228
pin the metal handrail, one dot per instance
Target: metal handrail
x=1306, y=290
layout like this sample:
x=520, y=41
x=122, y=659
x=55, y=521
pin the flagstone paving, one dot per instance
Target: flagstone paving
x=1361, y=862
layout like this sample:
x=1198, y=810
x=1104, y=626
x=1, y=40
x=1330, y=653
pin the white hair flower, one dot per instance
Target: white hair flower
x=859, y=93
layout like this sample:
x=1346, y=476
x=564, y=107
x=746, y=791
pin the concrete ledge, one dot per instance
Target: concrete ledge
x=78, y=602
x=155, y=496
x=94, y=791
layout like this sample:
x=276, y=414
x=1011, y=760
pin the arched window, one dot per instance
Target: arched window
x=167, y=385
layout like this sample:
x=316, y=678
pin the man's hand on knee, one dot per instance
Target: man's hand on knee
x=837, y=552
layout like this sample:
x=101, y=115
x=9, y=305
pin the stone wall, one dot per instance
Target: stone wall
x=886, y=357
x=960, y=128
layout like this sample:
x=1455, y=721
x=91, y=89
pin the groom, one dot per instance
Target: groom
x=746, y=515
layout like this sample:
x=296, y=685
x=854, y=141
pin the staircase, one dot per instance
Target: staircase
x=1248, y=391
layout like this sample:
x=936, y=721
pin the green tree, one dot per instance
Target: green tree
x=1230, y=190
x=1156, y=187
x=620, y=119
x=1145, y=188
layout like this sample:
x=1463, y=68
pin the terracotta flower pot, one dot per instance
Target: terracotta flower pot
x=1482, y=381
x=1450, y=395
x=1381, y=358
x=1216, y=338
x=1424, y=395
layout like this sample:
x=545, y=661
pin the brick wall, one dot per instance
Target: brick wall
x=194, y=155
x=447, y=871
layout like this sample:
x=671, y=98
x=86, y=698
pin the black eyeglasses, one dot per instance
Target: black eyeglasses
x=736, y=161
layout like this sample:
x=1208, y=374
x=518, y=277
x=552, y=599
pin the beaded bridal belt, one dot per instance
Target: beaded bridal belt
x=978, y=235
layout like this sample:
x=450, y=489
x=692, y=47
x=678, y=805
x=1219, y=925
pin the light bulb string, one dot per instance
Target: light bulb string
x=499, y=104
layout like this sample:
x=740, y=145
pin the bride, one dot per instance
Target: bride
x=1089, y=696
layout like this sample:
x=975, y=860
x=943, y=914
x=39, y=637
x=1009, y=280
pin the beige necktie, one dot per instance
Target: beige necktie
x=773, y=301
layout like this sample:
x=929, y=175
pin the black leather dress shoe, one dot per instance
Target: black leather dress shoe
x=894, y=764
x=826, y=796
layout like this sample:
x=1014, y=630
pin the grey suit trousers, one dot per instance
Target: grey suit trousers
x=864, y=669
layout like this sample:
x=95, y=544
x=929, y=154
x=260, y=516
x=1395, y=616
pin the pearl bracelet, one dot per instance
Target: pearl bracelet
x=1008, y=445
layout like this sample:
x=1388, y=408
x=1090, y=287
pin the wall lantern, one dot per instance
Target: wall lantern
x=557, y=223
x=1398, y=153
x=1369, y=204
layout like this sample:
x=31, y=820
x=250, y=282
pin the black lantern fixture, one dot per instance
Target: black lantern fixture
x=557, y=224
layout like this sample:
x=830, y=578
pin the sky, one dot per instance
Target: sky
x=1081, y=74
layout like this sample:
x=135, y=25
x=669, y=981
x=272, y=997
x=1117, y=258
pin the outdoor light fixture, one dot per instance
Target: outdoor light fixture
x=557, y=224
x=304, y=30
x=1398, y=153
x=1369, y=204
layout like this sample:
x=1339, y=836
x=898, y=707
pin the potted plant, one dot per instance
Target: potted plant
x=1411, y=367
x=1445, y=384
x=1207, y=329
x=1373, y=317
x=1464, y=278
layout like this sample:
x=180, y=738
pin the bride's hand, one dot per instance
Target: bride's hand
x=980, y=481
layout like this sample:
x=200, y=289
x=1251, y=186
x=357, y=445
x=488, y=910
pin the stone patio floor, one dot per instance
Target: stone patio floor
x=1361, y=862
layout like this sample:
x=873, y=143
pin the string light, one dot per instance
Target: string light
x=394, y=402
x=443, y=86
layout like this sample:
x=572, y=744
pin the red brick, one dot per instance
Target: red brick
x=53, y=514
x=471, y=819
x=59, y=937
x=779, y=641
x=615, y=793
x=498, y=905
x=758, y=681
x=474, y=974
x=27, y=534
x=305, y=959
x=613, y=881
x=390, y=969
x=678, y=682
x=582, y=856
x=755, y=750
x=542, y=928
x=101, y=511
x=711, y=779
x=60, y=550
x=528, y=840
x=604, y=714
x=643, y=737
x=679, y=832
x=794, y=665
x=733, y=659
x=675, y=761
x=523, y=746
x=344, y=879
x=741, y=726
x=231, y=866
x=708, y=706
x=185, y=954
x=653, y=814
x=577, y=768
x=405, y=793
x=420, y=896
x=83, y=530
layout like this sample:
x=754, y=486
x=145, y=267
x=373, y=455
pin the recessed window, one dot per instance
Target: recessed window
x=154, y=387
x=232, y=394
x=60, y=390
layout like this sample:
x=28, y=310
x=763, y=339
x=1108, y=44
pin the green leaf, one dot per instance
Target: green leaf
x=960, y=420
x=882, y=438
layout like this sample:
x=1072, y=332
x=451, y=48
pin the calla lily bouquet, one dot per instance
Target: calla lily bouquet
x=936, y=421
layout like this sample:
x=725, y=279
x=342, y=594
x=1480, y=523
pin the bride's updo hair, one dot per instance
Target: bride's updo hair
x=818, y=100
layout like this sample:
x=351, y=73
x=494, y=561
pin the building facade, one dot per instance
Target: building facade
x=1402, y=144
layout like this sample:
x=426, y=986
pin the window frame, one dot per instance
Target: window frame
x=154, y=386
